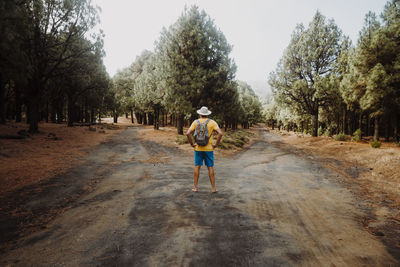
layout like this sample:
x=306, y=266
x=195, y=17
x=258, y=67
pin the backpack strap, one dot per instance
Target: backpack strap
x=198, y=125
x=206, y=128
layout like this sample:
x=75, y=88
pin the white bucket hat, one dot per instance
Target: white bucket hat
x=203, y=111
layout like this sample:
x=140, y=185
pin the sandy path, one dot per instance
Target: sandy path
x=273, y=208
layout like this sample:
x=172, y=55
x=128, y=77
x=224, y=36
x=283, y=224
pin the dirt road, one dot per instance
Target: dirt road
x=130, y=204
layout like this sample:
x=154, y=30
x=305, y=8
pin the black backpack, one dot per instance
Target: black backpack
x=201, y=136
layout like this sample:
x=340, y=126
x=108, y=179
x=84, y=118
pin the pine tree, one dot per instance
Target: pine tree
x=195, y=68
x=303, y=79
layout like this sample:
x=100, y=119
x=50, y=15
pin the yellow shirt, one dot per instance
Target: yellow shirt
x=211, y=126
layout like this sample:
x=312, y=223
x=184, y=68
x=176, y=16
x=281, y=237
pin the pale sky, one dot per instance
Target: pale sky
x=259, y=30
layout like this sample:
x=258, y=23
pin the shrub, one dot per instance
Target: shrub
x=375, y=144
x=320, y=131
x=397, y=144
x=181, y=140
x=327, y=133
x=235, y=139
x=356, y=135
x=340, y=137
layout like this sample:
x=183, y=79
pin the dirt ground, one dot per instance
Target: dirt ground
x=376, y=171
x=42, y=156
x=128, y=203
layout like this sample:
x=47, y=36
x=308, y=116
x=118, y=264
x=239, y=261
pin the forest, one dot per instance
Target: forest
x=51, y=66
x=52, y=70
x=325, y=85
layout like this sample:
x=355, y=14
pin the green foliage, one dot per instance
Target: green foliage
x=304, y=81
x=341, y=137
x=190, y=68
x=48, y=57
x=356, y=135
x=323, y=78
x=195, y=68
x=375, y=144
x=250, y=105
x=320, y=131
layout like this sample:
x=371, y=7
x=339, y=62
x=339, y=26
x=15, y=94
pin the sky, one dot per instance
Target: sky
x=259, y=30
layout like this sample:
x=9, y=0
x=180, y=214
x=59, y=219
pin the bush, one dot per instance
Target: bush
x=230, y=140
x=375, y=144
x=327, y=133
x=340, y=137
x=182, y=139
x=235, y=139
x=397, y=144
x=320, y=131
x=356, y=135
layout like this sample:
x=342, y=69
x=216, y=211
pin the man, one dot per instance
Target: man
x=204, y=153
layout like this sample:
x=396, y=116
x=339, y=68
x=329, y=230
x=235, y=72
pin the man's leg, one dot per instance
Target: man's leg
x=196, y=177
x=212, y=178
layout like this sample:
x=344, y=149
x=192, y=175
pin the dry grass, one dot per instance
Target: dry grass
x=168, y=136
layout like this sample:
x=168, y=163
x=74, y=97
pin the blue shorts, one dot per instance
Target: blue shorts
x=206, y=156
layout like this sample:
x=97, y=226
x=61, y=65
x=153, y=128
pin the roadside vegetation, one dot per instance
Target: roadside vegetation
x=325, y=85
x=64, y=78
x=190, y=67
x=230, y=140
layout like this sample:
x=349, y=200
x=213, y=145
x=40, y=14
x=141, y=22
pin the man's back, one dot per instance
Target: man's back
x=211, y=126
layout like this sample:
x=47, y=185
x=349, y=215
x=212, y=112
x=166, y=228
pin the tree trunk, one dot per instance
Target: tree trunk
x=138, y=118
x=150, y=118
x=92, y=116
x=144, y=118
x=360, y=124
x=180, y=121
x=2, y=99
x=376, y=129
x=350, y=121
x=47, y=112
x=132, y=119
x=126, y=115
x=60, y=112
x=70, y=121
x=163, y=118
x=344, y=122
x=156, y=118
x=115, y=113
x=315, y=125
x=34, y=113
x=53, y=112
x=18, y=106
x=87, y=113
x=396, y=134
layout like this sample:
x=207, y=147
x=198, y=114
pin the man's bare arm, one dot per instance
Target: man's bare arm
x=189, y=137
x=219, y=132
